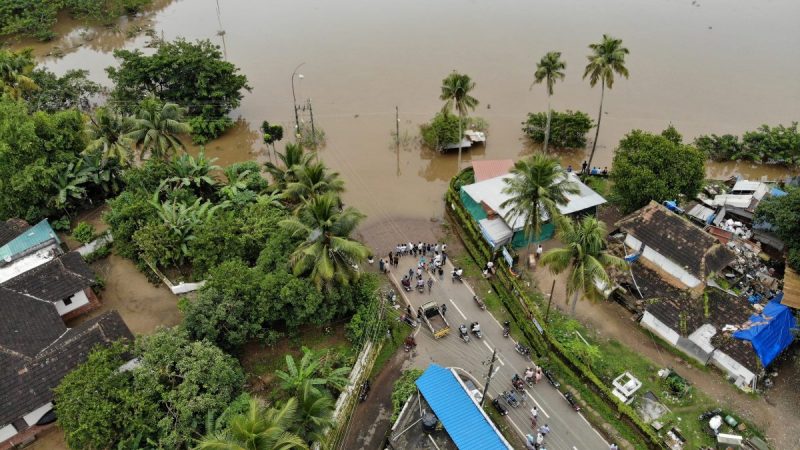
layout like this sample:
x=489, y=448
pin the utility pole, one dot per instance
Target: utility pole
x=313, y=131
x=552, y=288
x=489, y=375
x=294, y=100
x=397, y=136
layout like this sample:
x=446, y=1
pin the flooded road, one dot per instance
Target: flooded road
x=710, y=66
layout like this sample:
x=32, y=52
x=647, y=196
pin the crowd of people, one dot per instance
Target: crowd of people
x=594, y=171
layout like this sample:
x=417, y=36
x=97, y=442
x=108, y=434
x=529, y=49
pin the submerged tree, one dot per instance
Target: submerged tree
x=607, y=58
x=549, y=70
x=456, y=90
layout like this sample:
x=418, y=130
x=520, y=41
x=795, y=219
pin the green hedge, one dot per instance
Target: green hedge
x=522, y=308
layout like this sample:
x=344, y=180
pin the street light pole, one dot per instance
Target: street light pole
x=294, y=99
x=489, y=376
x=547, y=314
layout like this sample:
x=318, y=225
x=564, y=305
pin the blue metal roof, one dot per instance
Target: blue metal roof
x=462, y=418
x=32, y=237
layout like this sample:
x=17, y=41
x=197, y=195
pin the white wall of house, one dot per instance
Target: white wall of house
x=658, y=327
x=743, y=376
x=702, y=337
x=7, y=432
x=76, y=301
x=32, y=417
x=662, y=262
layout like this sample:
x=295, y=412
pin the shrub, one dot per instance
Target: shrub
x=84, y=232
x=567, y=129
x=441, y=131
x=403, y=388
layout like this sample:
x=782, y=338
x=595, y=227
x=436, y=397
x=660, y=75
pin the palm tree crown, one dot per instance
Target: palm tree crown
x=537, y=186
x=313, y=179
x=606, y=59
x=327, y=251
x=157, y=127
x=549, y=69
x=15, y=70
x=584, y=256
x=292, y=158
x=259, y=429
x=107, y=135
x=456, y=90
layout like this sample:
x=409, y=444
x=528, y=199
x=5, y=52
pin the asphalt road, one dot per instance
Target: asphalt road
x=569, y=429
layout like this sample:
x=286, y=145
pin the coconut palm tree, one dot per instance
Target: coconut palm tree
x=456, y=90
x=313, y=179
x=315, y=413
x=537, y=186
x=15, y=70
x=258, y=429
x=107, y=132
x=607, y=58
x=156, y=129
x=297, y=375
x=584, y=258
x=549, y=70
x=326, y=253
x=293, y=157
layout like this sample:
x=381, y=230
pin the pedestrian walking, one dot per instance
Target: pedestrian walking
x=539, y=251
x=534, y=416
x=410, y=247
x=444, y=248
x=410, y=274
x=444, y=258
x=401, y=249
x=396, y=260
x=444, y=309
x=430, y=284
x=419, y=314
x=436, y=248
x=381, y=266
x=544, y=430
x=390, y=256
x=408, y=310
x=441, y=273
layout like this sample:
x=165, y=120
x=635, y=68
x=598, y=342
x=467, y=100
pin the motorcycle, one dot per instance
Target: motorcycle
x=502, y=410
x=522, y=350
x=421, y=288
x=552, y=379
x=506, y=329
x=362, y=395
x=529, y=377
x=457, y=276
x=480, y=302
x=709, y=414
x=462, y=331
x=517, y=382
x=511, y=399
x=391, y=296
x=572, y=401
x=476, y=330
x=409, y=320
x=406, y=284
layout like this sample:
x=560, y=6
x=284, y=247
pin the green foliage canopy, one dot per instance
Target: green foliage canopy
x=766, y=144
x=783, y=213
x=567, y=129
x=651, y=167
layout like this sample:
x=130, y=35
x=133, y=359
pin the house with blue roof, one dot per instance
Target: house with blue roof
x=30, y=248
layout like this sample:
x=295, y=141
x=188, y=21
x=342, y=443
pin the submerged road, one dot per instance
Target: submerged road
x=569, y=429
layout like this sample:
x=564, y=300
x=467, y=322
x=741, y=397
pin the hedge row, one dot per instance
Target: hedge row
x=522, y=308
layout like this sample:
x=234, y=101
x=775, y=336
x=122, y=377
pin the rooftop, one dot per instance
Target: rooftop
x=29, y=240
x=677, y=239
x=54, y=280
x=791, y=289
x=490, y=168
x=10, y=229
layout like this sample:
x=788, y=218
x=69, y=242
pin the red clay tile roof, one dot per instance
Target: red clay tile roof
x=491, y=168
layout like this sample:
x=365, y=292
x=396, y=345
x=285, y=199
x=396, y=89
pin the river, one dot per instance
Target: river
x=706, y=66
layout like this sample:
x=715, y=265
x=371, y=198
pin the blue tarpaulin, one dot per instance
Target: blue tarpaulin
x=770, y=332
x=464, y=421
x=775, y=192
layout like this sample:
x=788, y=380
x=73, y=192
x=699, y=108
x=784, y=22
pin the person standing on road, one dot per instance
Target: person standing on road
x=544, y=430
x=444, y=309
x=430, y=284
x=539, y=251
x=534, y=416
x=419, y=314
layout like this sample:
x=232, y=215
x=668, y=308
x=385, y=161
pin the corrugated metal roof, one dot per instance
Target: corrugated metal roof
x=30, y=238
x=490, y=168
x=491, y=192
x=791, y=289
x=464, y=421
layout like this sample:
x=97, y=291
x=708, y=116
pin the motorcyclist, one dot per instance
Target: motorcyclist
x=529, y=373
x=406, y=282
x=476, y=327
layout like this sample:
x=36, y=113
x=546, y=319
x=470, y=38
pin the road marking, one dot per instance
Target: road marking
x=495, y=371
x=487, y=346
x=458, y=309
x=515, y=426
x=593, y=429
x=541, y=410
x=573, y=447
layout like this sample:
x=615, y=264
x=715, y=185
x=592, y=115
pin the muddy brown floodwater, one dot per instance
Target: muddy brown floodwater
x=721, y=66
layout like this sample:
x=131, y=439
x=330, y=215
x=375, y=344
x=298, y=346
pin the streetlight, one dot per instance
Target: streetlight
x=294, y=98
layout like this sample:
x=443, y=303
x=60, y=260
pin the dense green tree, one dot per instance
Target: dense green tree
x=193, y=75
x=537, y=186
x=584, y=257
x=15, y=73
x=326, y=253
x=767, y=143
x=549, y=70
x=156, y=129
x=258, y=429
x=128, y=213
x=443, y=130
x=567, y=129
x=163, y=402
x=34, y=150
x=783, y=213
x=218, y=240
x=651, y=167
x=456, y=90
x=74, y=89
x=607, y=58
x=719, y=148
x=672, y=135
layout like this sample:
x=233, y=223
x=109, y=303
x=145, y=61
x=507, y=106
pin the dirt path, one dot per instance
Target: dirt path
x=371, y=420
x=771, y=413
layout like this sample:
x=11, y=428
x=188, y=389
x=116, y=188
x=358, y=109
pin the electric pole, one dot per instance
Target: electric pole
x=397, y=136
x=313, y=131
x=489, y=375
x=552, y=289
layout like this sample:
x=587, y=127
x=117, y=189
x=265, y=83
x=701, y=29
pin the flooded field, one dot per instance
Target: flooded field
x=721, y=66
